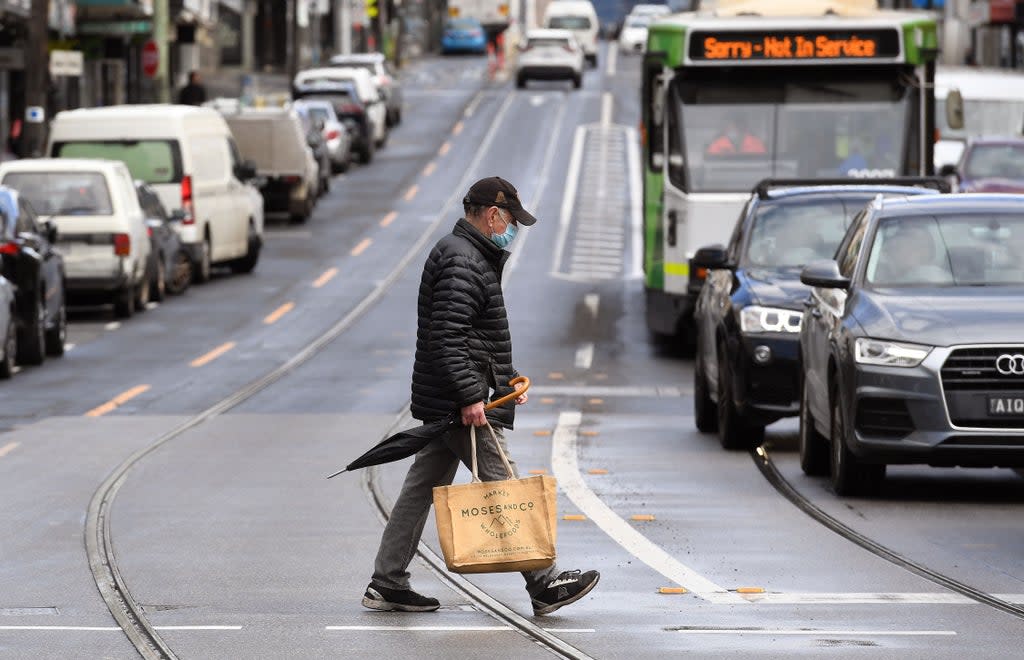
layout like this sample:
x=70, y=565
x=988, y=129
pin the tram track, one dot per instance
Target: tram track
x=111, y=584
x=771, y=473
x=478, y=597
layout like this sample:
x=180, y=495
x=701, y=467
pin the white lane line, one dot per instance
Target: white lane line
x=565, y=466
x=473, y=105
x=572, y=178
x=636, y=271
x=613, y=55
x=113, y=325
x=585, y=355
x=592, y=301
x=65, y=628
x=542, y=182
x=606, y=109
x=197, y=627
x=815, y=633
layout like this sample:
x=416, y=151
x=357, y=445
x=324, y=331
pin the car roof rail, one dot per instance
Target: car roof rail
x=934, y=182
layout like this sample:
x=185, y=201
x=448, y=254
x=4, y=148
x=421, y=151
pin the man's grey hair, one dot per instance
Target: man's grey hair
x=473, y=210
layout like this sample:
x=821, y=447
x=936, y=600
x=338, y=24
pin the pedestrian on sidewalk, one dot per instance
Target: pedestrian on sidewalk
x=194, y=93
x=463, y=354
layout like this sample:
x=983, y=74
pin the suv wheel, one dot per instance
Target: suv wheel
x=814, y=458
x=366, y=152
x=58, y=334
x=734, y=432
x=181, y=274
x=158, y=285
x=124, y=303
x=32, y=340
x=142, y=293
x=201, y=270
x=252, y=255
x=705, y=412
x=849, y=475
x=9, y=350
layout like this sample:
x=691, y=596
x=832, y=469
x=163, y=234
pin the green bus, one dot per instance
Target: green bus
x=761, y=88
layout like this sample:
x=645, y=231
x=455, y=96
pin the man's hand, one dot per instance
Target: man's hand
x=522, y=398
x=473, y=415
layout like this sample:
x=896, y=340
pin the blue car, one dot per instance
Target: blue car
x=463, y=35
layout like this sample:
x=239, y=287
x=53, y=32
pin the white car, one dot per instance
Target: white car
x=336, y=136
x=633, y=37
x=549, y=55
x=189, y=157
x=101, y=229
x=370, y=95
x=580, y=18
x=383, y=75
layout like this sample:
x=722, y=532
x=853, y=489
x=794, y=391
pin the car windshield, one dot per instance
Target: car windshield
x=982, y=249
x=995, y=161
x=63, y=193
x=789, y=235
x=152, y=161
x=569, y=22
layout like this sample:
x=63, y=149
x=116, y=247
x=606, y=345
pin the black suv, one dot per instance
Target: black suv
x=749, y=312
x=28, y=259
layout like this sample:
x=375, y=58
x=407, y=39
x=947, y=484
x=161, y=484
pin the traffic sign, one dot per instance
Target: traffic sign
x=35, y=114
x=150, y=59
x=66, y=63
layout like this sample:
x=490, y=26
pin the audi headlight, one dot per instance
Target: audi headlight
x=754, y=320
x=889, y=353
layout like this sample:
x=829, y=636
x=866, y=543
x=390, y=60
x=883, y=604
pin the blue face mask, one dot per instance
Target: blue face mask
x=505, y=239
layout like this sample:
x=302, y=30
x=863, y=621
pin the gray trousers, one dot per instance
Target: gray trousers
x=435, y=465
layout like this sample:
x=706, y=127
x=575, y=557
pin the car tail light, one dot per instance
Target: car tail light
x=332, y=134
x=291, y=179
x=10, y=248
x=186, y=201
x=122, y=245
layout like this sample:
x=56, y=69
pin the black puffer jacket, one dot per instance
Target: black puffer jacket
x=463, y=345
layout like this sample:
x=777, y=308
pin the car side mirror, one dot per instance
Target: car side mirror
x=949, y=170
x=177, y=215
x=825, y=275
x=710, y=256
x=955, y=109
x=245, y=171
x=50, y=230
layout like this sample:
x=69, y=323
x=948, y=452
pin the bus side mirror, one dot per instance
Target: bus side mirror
x=955, y=109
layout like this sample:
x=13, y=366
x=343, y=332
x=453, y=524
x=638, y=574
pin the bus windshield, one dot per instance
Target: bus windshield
x=731, y=139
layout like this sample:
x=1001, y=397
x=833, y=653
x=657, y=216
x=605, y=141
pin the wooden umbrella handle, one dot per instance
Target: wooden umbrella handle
x=511, y=395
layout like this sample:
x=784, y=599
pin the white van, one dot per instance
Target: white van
x=101, y=229
x=993, y=107
x=188, y=156
x=580, y=18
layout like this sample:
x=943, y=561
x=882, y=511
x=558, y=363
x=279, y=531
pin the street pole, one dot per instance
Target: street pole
x=37, y=63
x=161, y=25
x=292, y=40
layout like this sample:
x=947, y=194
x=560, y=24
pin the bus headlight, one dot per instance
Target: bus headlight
x=755, y=320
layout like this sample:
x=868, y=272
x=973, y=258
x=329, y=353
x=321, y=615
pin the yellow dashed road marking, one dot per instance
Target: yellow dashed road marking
x=276, y=315
x=327, y=276
x=118, y=400
x=361, y=247
x=212, y=355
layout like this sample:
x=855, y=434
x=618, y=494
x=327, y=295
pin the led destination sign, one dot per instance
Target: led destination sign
x=781, y=45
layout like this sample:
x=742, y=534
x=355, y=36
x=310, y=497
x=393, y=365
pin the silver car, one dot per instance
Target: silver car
x=336, y=136
x=384, y=76
x=8, y=331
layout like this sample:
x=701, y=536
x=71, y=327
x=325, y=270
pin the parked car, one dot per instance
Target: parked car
x=314, y=130
x=8, y=329
x=30, y=262
x=384, y=76
x=336, y=134
x=549, y=55
x=912, y=349
x=102, y=229
x=274, y=140
x=750, y=308
x=189, y=157
x=348, y=106
x=463, y=35
x=990, y=165
x=371, y=98
x=170, y=268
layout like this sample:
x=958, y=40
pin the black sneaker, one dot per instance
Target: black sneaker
x=567, y=588
x=389, y=600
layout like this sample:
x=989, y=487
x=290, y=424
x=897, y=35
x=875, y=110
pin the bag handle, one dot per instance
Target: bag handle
x=501, y=452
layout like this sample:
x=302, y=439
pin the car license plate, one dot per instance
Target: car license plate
x=1006, y=406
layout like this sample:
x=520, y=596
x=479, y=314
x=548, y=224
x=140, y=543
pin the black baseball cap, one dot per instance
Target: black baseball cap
x=495, y=191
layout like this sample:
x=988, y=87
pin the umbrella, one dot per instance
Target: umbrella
x=406, y=443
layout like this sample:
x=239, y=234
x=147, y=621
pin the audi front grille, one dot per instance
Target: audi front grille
x=970, y=373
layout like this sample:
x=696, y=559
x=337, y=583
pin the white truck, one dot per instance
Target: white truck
x=493, y=15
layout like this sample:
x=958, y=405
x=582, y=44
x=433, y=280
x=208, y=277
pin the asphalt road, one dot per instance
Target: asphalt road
x=235, y=545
